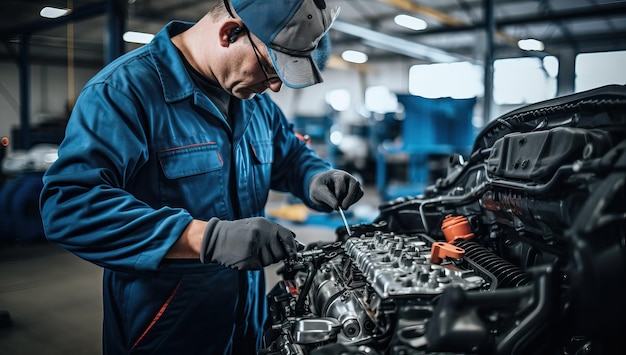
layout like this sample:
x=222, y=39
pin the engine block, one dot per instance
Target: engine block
x=400, y=265
x=521, y=249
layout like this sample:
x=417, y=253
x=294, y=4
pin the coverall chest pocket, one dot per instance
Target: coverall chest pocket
x=190, y=160
x=263, y=152
x=193, y=179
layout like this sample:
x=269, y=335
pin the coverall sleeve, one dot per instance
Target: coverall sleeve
x=84, y=205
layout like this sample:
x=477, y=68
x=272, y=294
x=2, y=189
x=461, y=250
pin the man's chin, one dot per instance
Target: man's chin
x=245, y=94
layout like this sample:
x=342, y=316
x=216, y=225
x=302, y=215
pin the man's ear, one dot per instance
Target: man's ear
x=230, y=31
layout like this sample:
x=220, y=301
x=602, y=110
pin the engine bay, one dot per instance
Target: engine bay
x=519, y=249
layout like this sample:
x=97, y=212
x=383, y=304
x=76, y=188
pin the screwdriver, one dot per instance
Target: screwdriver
x=345, y=221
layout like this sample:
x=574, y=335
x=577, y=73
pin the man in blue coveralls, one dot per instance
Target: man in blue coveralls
x=169, y=155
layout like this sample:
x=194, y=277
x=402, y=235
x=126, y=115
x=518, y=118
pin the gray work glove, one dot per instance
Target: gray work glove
x=334, y=188
x=246, y=244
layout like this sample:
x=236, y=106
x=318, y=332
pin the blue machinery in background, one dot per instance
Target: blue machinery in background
x=431, y=128
x=317, y=128
x=19, y=209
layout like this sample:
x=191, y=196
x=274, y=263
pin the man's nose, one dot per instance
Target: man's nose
x=275, y=87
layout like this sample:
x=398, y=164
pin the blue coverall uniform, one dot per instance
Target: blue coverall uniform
x=145, y=152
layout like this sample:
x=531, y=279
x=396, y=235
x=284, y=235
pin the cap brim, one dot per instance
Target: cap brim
x=295, y=72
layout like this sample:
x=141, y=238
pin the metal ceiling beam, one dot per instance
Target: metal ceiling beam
x=398, y=45
x=610, y=10
x=443, y=17
x=428, y=11
x=83, y=13
x=151, y=12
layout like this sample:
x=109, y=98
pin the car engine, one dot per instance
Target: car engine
x=519, y=249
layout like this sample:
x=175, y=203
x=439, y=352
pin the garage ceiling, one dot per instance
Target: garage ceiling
x=456, y=27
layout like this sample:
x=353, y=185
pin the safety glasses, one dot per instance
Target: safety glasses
x=270, y=80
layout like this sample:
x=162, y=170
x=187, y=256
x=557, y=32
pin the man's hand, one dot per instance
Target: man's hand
x=334, y=188
x=246, y=244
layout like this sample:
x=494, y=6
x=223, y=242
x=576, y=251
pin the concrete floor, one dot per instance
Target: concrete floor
x=54, y=298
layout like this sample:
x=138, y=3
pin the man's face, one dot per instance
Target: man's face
x=253, y=73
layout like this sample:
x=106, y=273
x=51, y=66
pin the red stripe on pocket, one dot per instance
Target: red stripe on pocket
x=158, y=315
x=187, y=146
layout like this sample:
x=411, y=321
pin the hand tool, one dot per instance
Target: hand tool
x=345, y=221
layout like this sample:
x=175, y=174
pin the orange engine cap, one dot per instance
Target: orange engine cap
x=440, y=250
x=456, y=227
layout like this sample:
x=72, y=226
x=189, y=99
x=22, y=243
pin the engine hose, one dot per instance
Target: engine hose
x=300, y=308
x=508, y=274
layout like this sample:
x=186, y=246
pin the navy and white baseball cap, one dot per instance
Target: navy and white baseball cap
x=291, y=30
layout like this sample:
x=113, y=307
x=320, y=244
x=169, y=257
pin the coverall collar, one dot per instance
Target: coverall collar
x=177, y=84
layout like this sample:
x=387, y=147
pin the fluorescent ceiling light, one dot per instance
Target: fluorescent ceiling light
x=354, y=56
x=137, y=37
x=411, y=22
x=53, y=12
x=530, y=44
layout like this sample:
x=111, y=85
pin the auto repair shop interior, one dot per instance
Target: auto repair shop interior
x=412, y=91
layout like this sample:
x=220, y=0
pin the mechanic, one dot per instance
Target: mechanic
x=169, y=156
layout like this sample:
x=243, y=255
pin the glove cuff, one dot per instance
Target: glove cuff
x=208, y=244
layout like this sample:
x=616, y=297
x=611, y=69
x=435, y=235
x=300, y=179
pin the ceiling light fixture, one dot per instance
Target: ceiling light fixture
x=137, y=37
x=530, y=44
x=410, y=22
x=53, y=12
x=354, y=56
